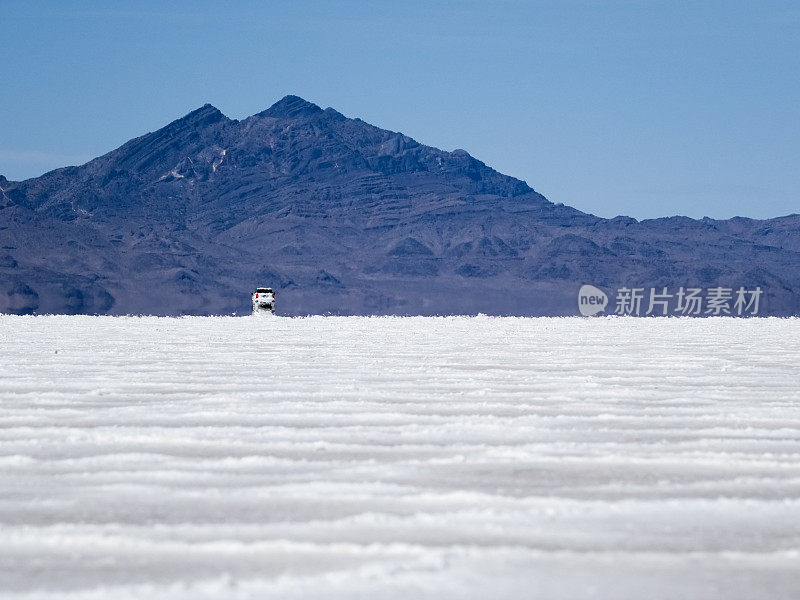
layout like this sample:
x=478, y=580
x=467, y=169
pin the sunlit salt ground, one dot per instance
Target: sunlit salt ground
x=399, y=458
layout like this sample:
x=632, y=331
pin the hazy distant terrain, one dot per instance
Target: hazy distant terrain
x=340, y=216
x=399, y=458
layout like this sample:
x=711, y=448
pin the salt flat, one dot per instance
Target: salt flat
x=405, y=458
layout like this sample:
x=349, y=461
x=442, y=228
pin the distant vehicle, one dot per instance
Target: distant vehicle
x=263, y=300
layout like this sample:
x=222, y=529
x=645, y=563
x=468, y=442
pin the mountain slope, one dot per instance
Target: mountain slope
x=343, y=217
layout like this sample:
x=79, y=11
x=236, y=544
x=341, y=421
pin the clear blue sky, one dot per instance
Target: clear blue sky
x=637, y=107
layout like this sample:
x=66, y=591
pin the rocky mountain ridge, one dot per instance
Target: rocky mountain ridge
x=342, y=217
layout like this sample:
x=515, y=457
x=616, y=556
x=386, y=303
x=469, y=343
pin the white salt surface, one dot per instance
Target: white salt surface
x=399, y=458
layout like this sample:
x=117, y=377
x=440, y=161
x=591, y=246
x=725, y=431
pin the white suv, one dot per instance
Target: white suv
x=263, y=300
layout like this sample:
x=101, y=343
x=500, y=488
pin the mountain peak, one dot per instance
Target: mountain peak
x=206, y=113
x=200, y=117
x=290, y=107
x=354, y=219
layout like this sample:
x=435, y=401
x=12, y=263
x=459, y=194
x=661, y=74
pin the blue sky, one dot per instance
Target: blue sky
x=635, y=107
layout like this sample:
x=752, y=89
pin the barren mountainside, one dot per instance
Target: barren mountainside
x=342, y=217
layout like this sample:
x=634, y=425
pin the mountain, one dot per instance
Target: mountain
x=340, y=216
